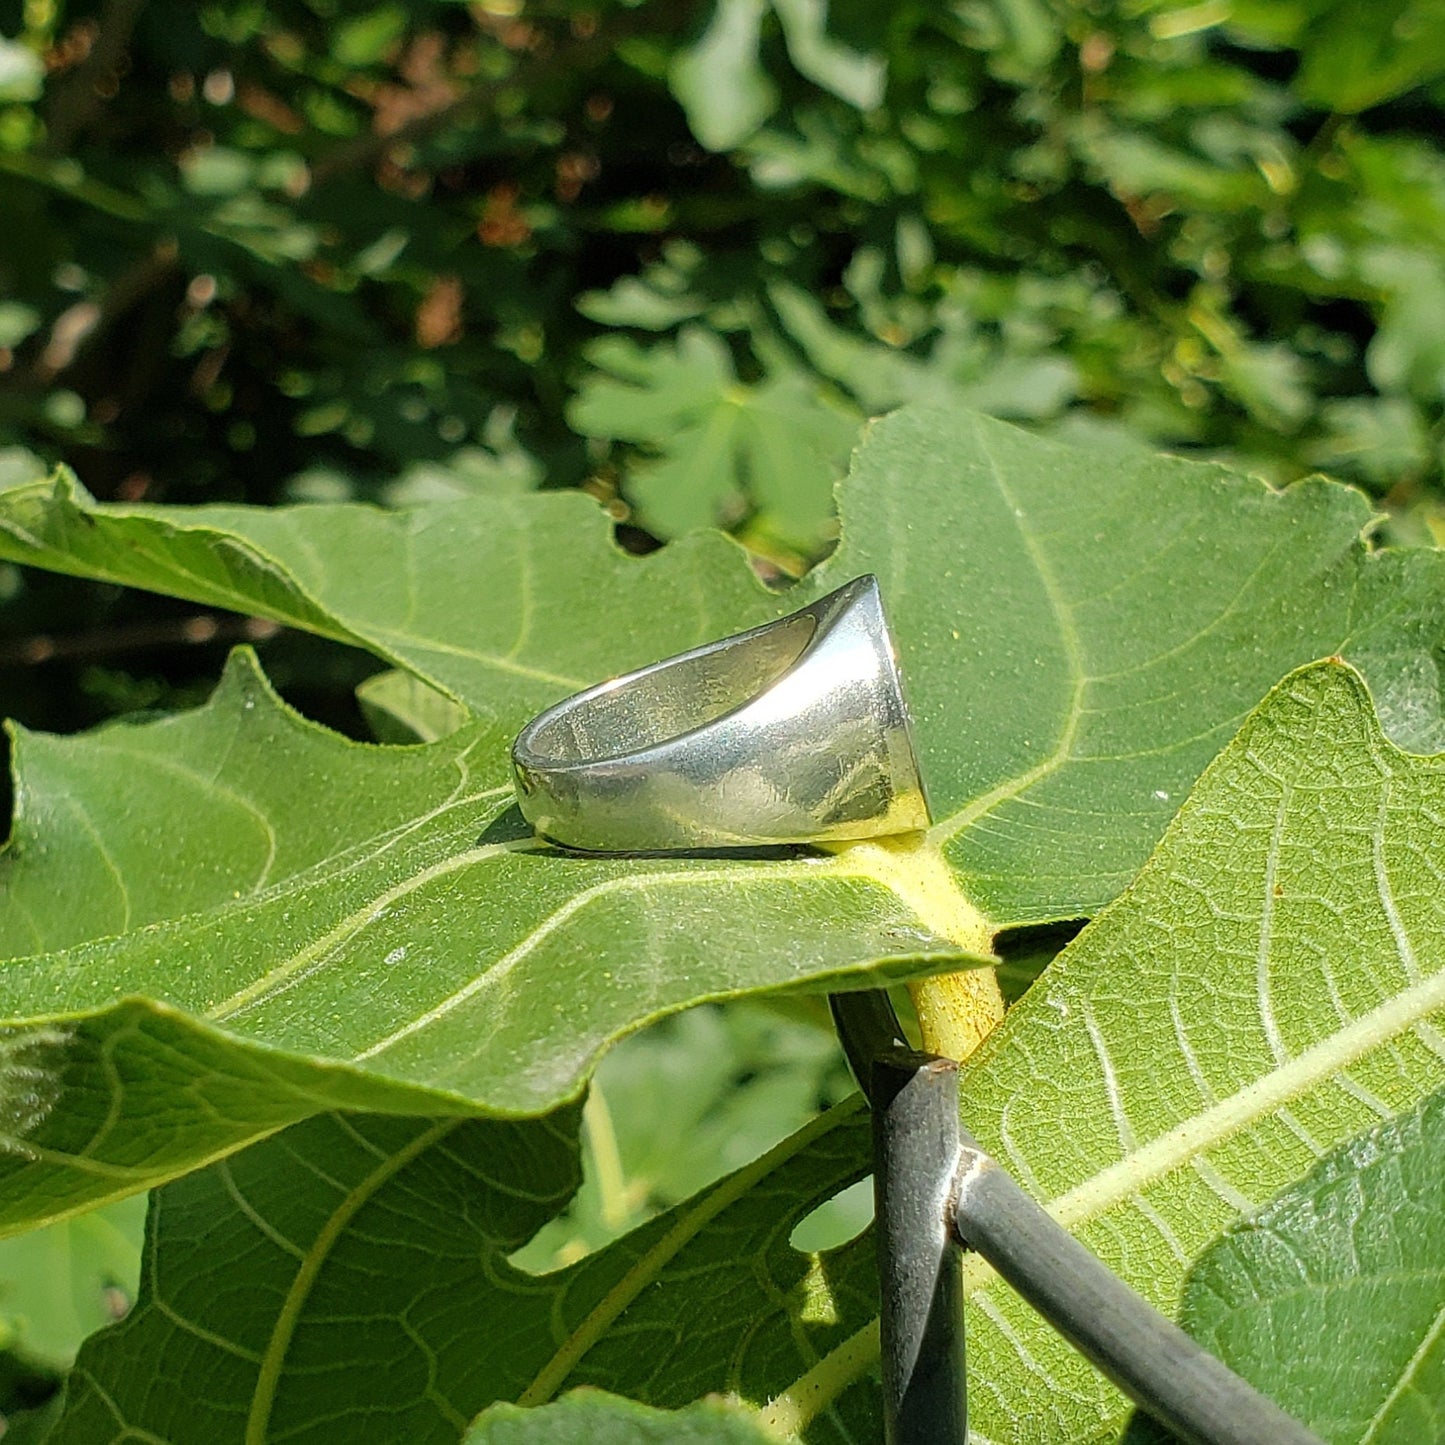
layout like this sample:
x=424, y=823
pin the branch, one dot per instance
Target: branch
x=103, y=641
x=574, y=53
x=77, y=101
x=365, y=151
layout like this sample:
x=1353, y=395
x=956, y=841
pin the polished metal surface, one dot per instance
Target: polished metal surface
x=793, y=732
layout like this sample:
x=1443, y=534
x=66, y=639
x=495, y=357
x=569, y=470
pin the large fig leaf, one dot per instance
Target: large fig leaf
x=435, y=953
x=1078, y=640
x=1080, y=631
x=129, y=825
x=506, y=603
x=1271, y=983
x=349, y=1279
x=1083, y=633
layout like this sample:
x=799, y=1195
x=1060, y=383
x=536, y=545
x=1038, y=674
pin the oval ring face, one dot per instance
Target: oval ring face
x=793, y=732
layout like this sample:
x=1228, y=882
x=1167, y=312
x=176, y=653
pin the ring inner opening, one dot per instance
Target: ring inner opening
x=674, y=699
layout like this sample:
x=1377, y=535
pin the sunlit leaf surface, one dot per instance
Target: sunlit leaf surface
x=1272, y=983
x=301, y=922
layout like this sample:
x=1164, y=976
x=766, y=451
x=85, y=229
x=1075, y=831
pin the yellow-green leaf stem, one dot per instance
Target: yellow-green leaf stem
x=956, y=1011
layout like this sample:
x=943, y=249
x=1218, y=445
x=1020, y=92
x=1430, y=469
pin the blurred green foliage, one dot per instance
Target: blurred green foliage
x=321, y=247
x=688, y=1100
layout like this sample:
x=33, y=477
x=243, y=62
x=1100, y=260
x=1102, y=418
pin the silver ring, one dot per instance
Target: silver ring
x=793, y=732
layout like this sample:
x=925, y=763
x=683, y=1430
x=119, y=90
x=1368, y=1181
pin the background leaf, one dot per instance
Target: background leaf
x=719, y=81
x=599, y=1419
x=64, y=1282
x=22, y=72
x=408, y=1225
x=1331, y=1297
x=672, y=1109
x=1351, y=67
x=723, y=444
x=858, y=79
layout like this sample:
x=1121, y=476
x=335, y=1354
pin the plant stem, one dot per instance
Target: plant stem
x=688, y=1222
x=809, y=1396
x=611, y=1177
x=915, y=1153
x=957, y=1011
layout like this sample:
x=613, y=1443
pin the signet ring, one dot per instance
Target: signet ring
x=797, y=731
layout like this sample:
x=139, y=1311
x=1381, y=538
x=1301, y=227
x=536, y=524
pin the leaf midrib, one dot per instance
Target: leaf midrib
x=550, y=1378
x=273, y=1359
x=275, y=980
x=966, y=816
x=359, y=856
x=1213, y=1126
x=1082, y=680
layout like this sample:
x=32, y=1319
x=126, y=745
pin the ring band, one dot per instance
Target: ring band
x=793, y=732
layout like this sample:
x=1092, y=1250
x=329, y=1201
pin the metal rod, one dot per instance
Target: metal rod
x=923, y=1163
x=1146, y=1355
x=867, y=1028
x=915, y=1154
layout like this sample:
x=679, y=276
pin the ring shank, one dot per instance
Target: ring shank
x=796, y=731
x=668, y=700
